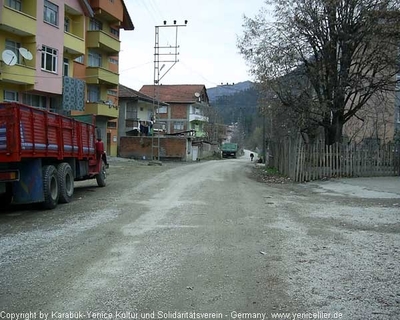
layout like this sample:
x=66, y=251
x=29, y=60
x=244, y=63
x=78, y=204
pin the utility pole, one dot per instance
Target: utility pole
x=165, y=55
x=264, y=153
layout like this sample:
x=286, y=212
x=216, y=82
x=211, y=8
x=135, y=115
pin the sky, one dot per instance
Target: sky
x=208, y=52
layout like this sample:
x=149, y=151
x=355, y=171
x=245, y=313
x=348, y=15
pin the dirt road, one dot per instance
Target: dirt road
x=202, y=239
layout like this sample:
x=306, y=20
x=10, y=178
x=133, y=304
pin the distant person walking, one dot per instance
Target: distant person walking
x=251, y=156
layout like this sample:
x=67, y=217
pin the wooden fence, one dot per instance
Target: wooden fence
x=305, y=162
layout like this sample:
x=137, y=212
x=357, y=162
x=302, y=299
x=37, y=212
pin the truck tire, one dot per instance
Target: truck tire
x=102, y=176
x=65, y=182
x=50, y=187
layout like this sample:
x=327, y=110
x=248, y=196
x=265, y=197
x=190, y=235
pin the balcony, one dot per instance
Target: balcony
x=18, y=74
x=197, y=117
x=200, y=134
x=74, y=44
x=103, y=41
x=101, y=109
x=17, y=22
x=98, y=75
x=106, y=10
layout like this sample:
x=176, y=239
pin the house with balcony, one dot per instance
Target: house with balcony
x=136, y=113
x=181, y=114
x=186, y=110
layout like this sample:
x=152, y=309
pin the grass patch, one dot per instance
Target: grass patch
x=270, y=175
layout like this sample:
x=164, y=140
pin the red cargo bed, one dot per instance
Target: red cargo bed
x=27, y=132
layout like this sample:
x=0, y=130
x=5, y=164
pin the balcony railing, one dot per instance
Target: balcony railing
x=131, y=124
x=18, y=74
x=105, y=42
x=18, y=21
x=98, y=75
x=197, y=117
x=101, y=109
x=73, y=43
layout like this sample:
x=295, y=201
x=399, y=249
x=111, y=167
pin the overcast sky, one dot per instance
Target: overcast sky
x=207, y=55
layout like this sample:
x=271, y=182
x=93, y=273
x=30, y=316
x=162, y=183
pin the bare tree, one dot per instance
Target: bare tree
x=324, y=59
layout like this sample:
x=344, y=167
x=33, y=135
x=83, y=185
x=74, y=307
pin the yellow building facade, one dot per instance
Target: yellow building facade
x=63, y=56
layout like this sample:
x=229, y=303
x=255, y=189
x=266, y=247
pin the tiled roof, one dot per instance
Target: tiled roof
x=184, y=93
x=128, y=93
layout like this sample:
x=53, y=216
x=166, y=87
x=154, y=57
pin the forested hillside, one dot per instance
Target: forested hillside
x=239, y=105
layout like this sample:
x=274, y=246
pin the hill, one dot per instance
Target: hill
x=227, y=90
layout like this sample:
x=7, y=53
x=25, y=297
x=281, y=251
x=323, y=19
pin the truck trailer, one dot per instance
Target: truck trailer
x=43, y=153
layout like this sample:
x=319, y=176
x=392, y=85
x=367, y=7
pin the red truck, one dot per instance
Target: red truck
x=43, y=153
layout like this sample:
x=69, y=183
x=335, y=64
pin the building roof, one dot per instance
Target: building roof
x=87, y=9
x=177, y=93
x=127, y=23
x=128, y=93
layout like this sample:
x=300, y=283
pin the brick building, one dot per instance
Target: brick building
x=186, y=110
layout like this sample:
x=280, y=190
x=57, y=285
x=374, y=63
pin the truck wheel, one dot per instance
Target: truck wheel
x=50, y=187
x=101, y=176
x=65, y=182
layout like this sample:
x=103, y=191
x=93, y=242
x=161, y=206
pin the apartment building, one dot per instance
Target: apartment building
x=62, y=55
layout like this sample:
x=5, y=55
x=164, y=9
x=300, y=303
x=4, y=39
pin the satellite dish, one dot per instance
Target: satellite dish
x=25, y=53
x=9, y=57
x=197, y=94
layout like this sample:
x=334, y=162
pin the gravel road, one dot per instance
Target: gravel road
x=196, y=240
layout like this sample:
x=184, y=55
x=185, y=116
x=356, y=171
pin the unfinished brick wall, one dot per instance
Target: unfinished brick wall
x=139, y=147
x=179, y=111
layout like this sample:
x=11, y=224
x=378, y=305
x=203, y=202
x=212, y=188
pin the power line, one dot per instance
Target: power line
x=147, y=9
x=135, y=67
x=155, y=8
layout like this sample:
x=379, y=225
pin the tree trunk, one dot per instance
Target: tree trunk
x=334, y=132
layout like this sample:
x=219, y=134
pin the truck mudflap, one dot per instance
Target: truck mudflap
x=29, y=188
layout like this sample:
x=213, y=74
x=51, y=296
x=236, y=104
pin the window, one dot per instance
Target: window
x=179, y=125
x=114, y=32
x=162, y=109
x=94, y=59
x=111, y=125
x=55, y=104
x=10, y=96
x=95, y=25
x=67, y=24
x=49, y=59
x=50, y=13
x=195, y=110
x=66, y=67
x=112, y=92
x=131, y=111
x=15, y=4
x=79, y=59
x=13, y=46
x=113, y=61
x=35, y=101
x=93, y=93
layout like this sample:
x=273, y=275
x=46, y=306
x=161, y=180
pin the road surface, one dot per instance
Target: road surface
x=198, y=240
